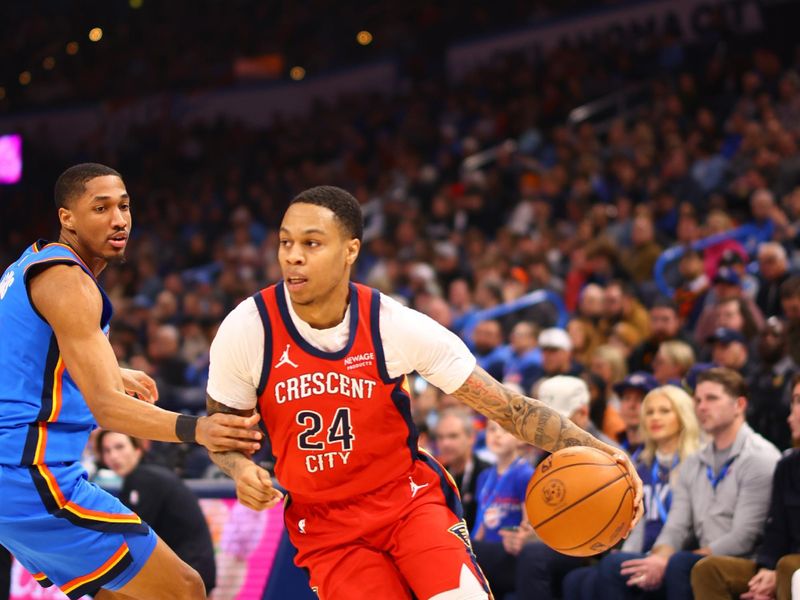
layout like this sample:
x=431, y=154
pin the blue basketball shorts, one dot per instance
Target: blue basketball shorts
x=69, y=532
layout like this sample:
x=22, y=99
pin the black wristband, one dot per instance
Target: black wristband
x=185, y=428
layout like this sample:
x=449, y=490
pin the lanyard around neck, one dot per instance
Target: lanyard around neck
x=654, y=478
x=722, y=472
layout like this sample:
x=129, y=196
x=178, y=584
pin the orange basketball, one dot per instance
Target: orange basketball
x=580, y=501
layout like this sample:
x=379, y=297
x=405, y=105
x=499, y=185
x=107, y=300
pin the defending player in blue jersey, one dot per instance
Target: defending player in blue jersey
x=59, y=379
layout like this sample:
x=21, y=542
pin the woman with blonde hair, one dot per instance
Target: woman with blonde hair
x=671, y=433
x=672, y=361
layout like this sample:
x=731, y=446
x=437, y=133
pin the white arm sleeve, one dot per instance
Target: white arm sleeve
x=237, y=354
x=413, y=341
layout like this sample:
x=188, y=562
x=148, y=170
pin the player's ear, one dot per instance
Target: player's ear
x=66, y=218
x=352, y=248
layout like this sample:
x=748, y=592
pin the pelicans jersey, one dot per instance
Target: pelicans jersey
x=60, y=527
x=371, y=515
x=339, y=425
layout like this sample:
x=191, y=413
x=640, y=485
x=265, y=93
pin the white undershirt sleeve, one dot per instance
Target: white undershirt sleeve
x=237, y=354
x=413, y=341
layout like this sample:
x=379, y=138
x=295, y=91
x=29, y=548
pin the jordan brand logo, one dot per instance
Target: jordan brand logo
x=414, y=487
x=285, y=360
x=301, y=525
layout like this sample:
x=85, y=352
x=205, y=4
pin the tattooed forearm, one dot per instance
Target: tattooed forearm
x=528, y=419
x=229, y=461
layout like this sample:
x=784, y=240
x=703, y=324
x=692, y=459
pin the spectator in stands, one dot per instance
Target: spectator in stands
x=625, y=338
x=455, y=441
x=790, y=303
x=163, y=500
x=718, y=502
x=590, y=303
x=665, y=325
x=671, y=434
x=770, y=385
x=487, y=345
x=690, y=294
x=541, y=569
x=639, y=259
x=773, y=270
x=672, y=361
x=631, y=392
x=604, y=416
x=523, y=363
x=501, y=525
x=584, y=337
x=769, y=573
x=556, y=347
x=609, y=363
x=727, y=286
x=734, y=313
x=729, y=349
x=620, y=305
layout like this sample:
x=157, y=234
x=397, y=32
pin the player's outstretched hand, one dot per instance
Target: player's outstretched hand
x=254, y=487
x=140, y=385
x=221, y=432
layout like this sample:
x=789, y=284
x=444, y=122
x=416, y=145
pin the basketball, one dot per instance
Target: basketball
x=580, y=501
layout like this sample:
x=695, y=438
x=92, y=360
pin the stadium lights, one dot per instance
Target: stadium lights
x=25, y=77
x=48, y=63
x=297, y=73
x=95, y=34
x=72, y=48
x=364, y=37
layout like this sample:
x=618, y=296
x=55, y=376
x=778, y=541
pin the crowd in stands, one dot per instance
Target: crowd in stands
x=584, y=212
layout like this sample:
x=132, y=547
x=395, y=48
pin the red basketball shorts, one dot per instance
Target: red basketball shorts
x=403, y=540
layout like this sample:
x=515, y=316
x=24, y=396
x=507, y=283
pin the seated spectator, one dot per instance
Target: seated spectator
x=790, y=303
x=631, y=392
x=162, y=499
x=733, y=313
x=487, y=346
x=500, y=524
x=523, y=362
x=455, y=441
x=727, y=286
x=585, y=339
x=770, y=385
x=773, y=270
x=541, y=569
x=665, y=325
x=718, y=501
x=729, y=350
x=768, y=575
x=639, y=259
x=671, y=434
x=556, y=347
x=625, y=337
x=672, y=361
x=604, y=416
x=690, y=294
x=620, y=306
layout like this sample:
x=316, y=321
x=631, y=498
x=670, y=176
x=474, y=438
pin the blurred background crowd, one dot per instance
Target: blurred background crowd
x=476, y=191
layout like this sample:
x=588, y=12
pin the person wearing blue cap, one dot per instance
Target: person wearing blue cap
x=631, y=392
x=729, y=349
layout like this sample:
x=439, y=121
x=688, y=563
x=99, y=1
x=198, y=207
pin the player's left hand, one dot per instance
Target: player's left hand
x=140, y=385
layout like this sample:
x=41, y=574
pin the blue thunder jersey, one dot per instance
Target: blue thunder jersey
x=43, y=416
x=500, y=499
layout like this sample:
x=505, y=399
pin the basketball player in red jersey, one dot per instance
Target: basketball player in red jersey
x=324, y=362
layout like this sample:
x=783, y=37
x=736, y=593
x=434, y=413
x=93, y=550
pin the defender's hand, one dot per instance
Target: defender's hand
x=254, y=487
x=221, y=432
x=140, y=385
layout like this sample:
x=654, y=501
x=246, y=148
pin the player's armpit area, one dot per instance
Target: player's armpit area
x=528, y=419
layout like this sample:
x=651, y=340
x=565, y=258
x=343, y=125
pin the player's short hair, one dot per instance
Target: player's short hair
x=340, y=202
x=731, y=381
x=72, y=182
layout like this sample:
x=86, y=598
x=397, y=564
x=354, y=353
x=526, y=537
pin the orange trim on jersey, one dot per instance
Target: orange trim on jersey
x=41, y=442
x=77, y=256
x=58, y=377
x=84, y=513
x=98, y=572
x=39, y=576
x=35, y=248
x=405, y=386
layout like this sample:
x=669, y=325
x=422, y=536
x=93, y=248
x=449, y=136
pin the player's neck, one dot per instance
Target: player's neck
x=94, y=263
x=724, y=438
x=326, y=312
